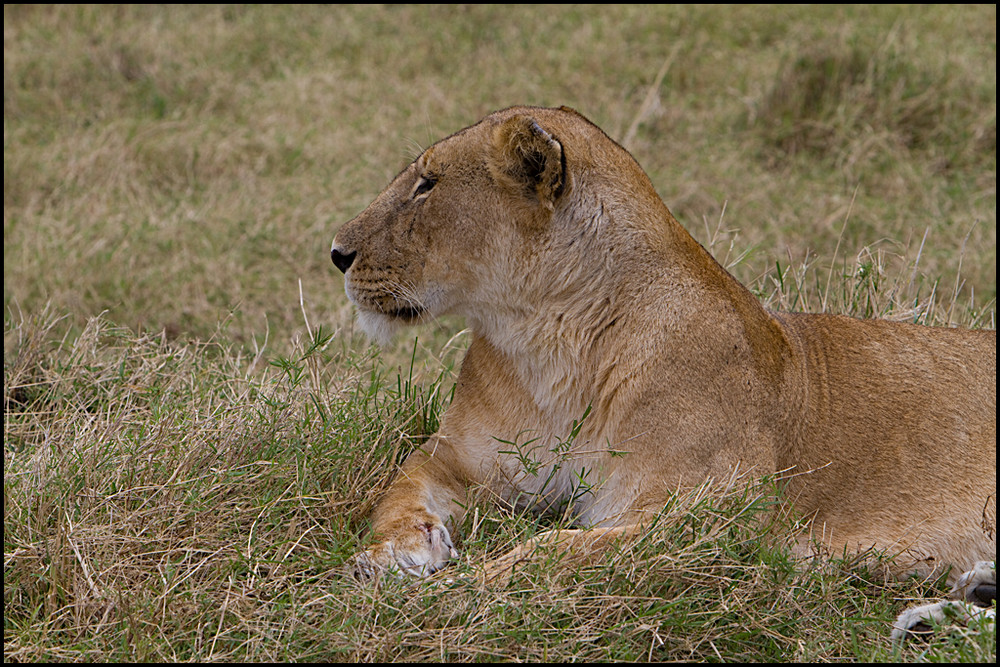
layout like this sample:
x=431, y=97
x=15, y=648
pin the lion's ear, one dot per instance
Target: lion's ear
x=529, y=158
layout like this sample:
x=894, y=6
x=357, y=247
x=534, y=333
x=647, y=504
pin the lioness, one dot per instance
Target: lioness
x=586, y=298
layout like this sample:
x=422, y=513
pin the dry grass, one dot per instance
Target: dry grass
x=189, y=456
x=175, y=166
x=162, y=505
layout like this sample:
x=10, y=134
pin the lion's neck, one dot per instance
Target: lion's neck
x=594, y=321
x=560, y=354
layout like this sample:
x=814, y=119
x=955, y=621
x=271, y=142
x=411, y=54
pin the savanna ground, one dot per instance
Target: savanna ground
x=193, y=431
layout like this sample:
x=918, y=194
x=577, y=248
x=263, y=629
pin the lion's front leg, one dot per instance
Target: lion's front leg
x=409, y=523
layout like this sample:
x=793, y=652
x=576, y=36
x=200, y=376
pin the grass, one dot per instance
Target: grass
x=193, y=433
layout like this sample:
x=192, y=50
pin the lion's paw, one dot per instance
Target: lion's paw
x=976, y=590
x=978, y=585
x=419, y=551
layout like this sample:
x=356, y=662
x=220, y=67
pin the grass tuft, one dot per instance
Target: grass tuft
x=852, y=103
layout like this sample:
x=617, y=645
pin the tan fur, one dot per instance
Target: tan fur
x=584, y=293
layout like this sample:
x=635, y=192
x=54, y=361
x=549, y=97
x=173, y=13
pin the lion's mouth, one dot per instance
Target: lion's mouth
x=405, y=313
x=401, y=312
x=388, y=306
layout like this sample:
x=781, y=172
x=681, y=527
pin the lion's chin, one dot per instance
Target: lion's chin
x=381, y=327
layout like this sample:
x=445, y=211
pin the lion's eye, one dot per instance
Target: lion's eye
x=424, y=185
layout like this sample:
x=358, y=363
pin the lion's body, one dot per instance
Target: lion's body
x=899, y=422
x=613, y=361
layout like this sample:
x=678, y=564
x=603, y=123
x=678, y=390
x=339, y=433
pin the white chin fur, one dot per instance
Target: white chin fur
x=379, y=327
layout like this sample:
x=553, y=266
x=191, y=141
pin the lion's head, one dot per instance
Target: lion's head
x=493, y=220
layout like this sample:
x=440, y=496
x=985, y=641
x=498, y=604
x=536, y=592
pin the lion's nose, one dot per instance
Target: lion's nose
x=342, y=260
